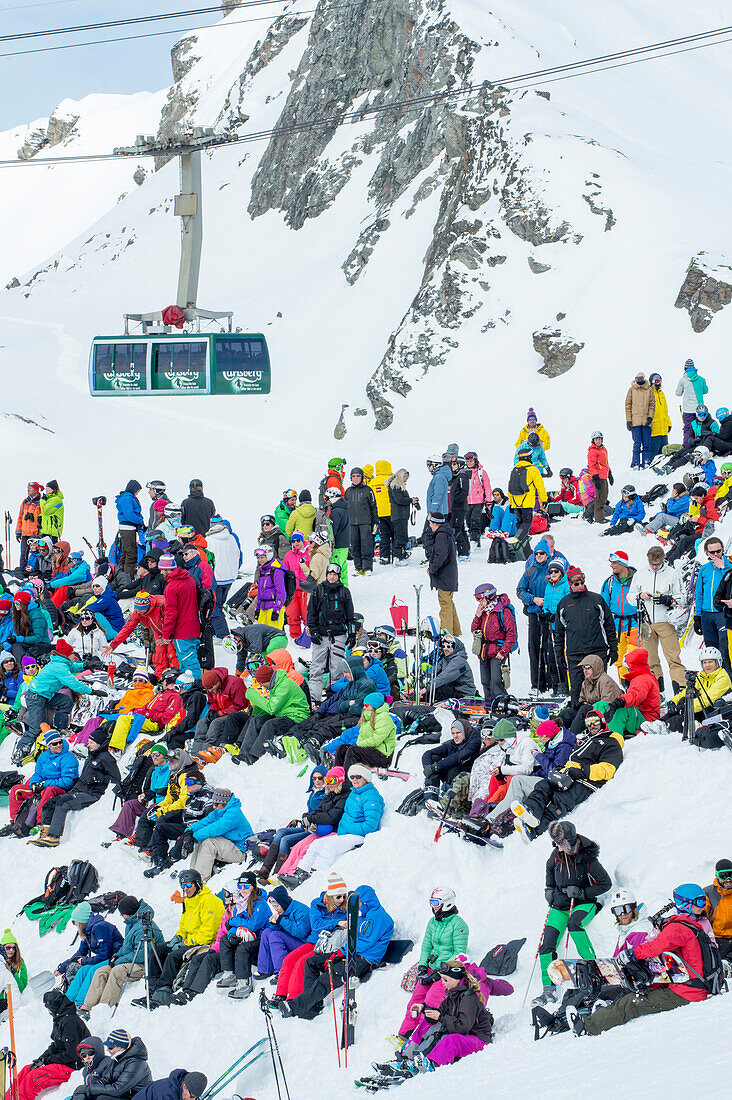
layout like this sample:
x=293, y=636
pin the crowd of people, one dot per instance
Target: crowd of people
x=111, y=681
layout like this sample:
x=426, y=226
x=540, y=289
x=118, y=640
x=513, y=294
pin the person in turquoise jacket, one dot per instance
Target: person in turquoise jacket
x=32, y=629
x=364, y=805
x=538, y=455
x=77, y=573
x=220, y=835
x=45, y=692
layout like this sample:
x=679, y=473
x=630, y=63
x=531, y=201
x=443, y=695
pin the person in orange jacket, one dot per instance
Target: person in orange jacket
x=134, y=700
x=165, y=704
x=28, y=525
x=598, y=466
x=719, y=907
x=147, y=611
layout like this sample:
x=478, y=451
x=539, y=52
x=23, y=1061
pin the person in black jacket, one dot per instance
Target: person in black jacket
x=100, y=769
x=128, y=1073
x=443, y=762
x=331, y=623
x=340, y=523
x=443, y=571
x=583, y=624
x=592, y=763
x=60, y=1058
x=363, y=518
x=176, y=825
x=197, y=511
x=401, y=506
x=93, y=1062
x=459, y=487
x=453, y=677
x=575, y=878
x=329, y=812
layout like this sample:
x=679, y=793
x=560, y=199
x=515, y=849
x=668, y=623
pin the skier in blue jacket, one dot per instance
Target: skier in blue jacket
x=100, y=941
x=239, y=943
x=628, y=511
x=56, y=769
x=530, y=590
x=78, y=572
x=288, y=928
x=45, y=692
x=437, y=499
x=105, y=607
x=131, y=523
x=220, y=835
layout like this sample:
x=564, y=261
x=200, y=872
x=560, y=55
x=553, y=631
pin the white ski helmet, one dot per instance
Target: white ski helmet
x=442, y=898
x=701, y=454
x=622, y=897
x=710, y=653
x=265, y=552
x=434, y=460
x=333, y=493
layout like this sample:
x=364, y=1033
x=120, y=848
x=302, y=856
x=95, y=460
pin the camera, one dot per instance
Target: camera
x=97, y=501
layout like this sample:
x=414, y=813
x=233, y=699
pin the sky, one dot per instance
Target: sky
x=142, y=65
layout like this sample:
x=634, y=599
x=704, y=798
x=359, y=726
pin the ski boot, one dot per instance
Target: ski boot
x=519, y=810
x=575, y=1020
x=547, y=996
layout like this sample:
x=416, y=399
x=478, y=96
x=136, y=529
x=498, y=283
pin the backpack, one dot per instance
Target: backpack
x=503, y=959
x=321, y=492
x=206, y=603
x=512, y=609
x=654, y=493
x=586, y=487
x=290, y=584
x=712, y=978
x=56, y=890
x=498, y=553
x=83, y=879
x=132, y=784
x=539, y=523
x=106, y=903
x=518, y=482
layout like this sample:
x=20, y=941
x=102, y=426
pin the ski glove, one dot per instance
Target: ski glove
x=549, y=472
x=316, y=639
x=549, y=894
x=18, y=536
x=575, y=893
x=628, y=425
x=626, y=956
x=697, y=624
x=665, y=599
x=430, y=771
x=100, y=692
x=610, y=477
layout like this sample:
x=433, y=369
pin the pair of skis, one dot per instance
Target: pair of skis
x=8, y=536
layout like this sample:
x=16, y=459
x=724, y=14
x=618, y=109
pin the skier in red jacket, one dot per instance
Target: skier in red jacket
x=148, y=611
x=181, y=625
x=688, y=934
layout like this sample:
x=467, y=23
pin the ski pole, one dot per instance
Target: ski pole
x=210, y=1090
x=442, y=819
x=14, y=1067
x=335, y=1014
x=569, y=918
x=536, y=956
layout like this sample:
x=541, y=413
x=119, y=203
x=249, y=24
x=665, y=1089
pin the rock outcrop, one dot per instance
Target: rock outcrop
x=558, y=350
x=47, y=134
x=707, y=288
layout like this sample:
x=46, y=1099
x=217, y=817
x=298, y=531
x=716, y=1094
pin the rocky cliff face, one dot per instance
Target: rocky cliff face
x=45, y=135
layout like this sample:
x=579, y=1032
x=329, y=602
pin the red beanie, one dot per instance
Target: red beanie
x=211, y=679
x=574, y=571
x=23, y=597
x=63, y=647
x=264, y=674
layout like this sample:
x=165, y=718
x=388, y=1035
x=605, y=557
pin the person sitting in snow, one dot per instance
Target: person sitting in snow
x=60, y=1058
x=592, y=764
x=452, y=675
x=719, y=907
x=445, y=936
x=629, y=511
x=712, y=688
x=641, y=700
x=444, y=762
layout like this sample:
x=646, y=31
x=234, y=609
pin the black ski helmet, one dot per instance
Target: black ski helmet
x=628, y=490
x=533, y=439
x=565, y=472
x=191, y=878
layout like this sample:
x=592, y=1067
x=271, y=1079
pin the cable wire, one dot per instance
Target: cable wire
x=588, y=67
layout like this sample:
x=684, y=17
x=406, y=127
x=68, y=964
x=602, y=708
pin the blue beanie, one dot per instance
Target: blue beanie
x=280, y=895
x=689, y=364
x=542, y=713
x=375, y=699
x=118, y=1038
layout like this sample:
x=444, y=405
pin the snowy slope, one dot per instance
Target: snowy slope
x=657, y=137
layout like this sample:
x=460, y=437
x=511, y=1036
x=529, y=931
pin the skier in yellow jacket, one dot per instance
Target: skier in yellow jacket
x=383, y=509
x=661, y=425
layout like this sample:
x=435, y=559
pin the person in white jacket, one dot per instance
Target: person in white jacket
x=87, y=638
x=657, y=590
x=505, y=754
x=226, y=548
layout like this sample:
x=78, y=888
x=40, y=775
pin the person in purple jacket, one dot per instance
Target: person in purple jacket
x=271, y=590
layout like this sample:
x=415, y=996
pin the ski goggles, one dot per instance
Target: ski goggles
x=267, y=519
x=593, y=723
x=725, y=876
x=452, y=970
x=619, y=910
x=331, y=779
x=333, y=567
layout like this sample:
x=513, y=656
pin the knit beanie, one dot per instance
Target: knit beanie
x=6, y=603
x=63, y=648
x=118, y=1038
x=280, y=895
x=503, y=730
x=23, y=597
x=211, y=679
x=52, y=737
x=338, y=773
x=336, y=885
x=100, y=582
x=374, y=699
x=264, y=674
x=167, y=561
x=128, y=905
x=81, y=912
x=359, y=770
x=196, y=1083
x=548, y=729
x=461, y=724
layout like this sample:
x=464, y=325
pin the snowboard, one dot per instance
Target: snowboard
x=667, y=968
x=465, y=832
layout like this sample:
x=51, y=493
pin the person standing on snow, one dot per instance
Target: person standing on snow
x=181, y=624
x=337, y=511
x=658, y=590
x=598, y=467
x=640, y=406
x=616, y=594
x=226, y=549
x=692, y=389
x=479, y=497
x=459, y=489
x=159, y=499
x=363, y=519
x=525, y=484
x=285, y=508
x=661, y=425
x=438, y=496
x=330, y=623
x=197, y=511
x=28, y=524
x=401, y=505
x=130, y=521
x=496, y=622
x=532, y=425
x=443, y=571
x=383, y=509
x=52, y=511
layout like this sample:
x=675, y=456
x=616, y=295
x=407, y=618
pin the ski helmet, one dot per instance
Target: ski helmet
x=289, y=494
x=524, y=449
x=38, y=583
x=264, y=553
x=596, y=435
x=689, y=894
x=628, y=490
x=142, y=601
x=487, y=592
x=190, y=878
x=171, y=510
x=533, y=439
x=434, y=460
x=446, y=637
x=471, y=454
x=655, y=377
x=620, y=899
x=268, y=518
x=319, y=537
x=710, y=653
x=442, y=898
x=333, y=493
x=169, y=676
x=701, y=454
x=565, y=472
x=430, y=627
x=720, y=414
x=726, y=468
x=458, y=461
x=185, y=533
x=388, y=633
x=699, y=489
x=195, y=483
x=701, y=411
x=157, y=487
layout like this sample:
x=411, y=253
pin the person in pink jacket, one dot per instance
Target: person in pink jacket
x=479, y=495
x=296, y=611
x=181, y=624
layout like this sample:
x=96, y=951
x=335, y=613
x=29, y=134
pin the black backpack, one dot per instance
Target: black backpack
x=290, y=584
x=83, y=879
x=206, y=604
x=518, y=482
x=56, y=889
x=654, y=493
x=498, y=553
x=132, y=784
x=322, y=502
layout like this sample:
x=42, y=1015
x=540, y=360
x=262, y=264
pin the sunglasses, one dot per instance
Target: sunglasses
x=339, y=897
x=714, y=553
x=576, y=581
x=186, y=882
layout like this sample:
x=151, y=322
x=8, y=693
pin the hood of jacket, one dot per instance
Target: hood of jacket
x=593, y=660
x=136, y=1049
x=58, y=1004
x=636, y=663
x=281, y=661
x=319, y=769
x=368, y=900
x=357, y=670
x=95, y=1043
x=383, y=468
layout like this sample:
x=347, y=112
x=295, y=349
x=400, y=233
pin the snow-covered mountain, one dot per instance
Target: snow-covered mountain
x=421, y=276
